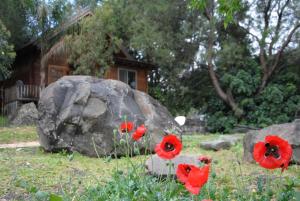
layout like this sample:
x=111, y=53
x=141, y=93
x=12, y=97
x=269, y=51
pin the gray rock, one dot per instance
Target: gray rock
x=233, y=139
x=216, y=145
x=288, y=131
x=160, y=167
x=194, y=125
x=81, y=113
x=27, y=114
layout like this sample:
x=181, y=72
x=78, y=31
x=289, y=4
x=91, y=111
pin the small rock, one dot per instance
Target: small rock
x=194, y=125
x=233, y=139
x=160, y=167
x=27, y=114
x=216, y=145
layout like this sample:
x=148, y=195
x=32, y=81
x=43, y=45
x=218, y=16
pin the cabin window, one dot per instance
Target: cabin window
x=128, y=76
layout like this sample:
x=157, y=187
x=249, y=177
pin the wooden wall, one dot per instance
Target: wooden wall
x=57, y=68
x=27, y=68
x=142, y=73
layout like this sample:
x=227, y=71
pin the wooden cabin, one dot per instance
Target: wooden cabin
x=25, y=82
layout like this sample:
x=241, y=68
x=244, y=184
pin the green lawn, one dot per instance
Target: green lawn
x=17, y=134
x=28, y=169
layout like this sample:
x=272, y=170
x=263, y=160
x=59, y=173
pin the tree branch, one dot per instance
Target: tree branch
x=267, y=74
x=226, y=97
x=284, y=45
x=278, y=25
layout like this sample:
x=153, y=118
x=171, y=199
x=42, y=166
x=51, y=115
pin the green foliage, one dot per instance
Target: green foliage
x=277, y=103
x=15, y=16
x=226, y=8
x=221, y=122
x=87, y=3
x=134, y=185
x=7, y=53
x=95, y=44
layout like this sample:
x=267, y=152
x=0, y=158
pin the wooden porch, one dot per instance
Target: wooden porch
x=17, y=95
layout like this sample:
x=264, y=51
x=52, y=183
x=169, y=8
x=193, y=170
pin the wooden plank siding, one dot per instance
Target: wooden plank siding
x=24, y=93
x=16, y=95
x=142, y=84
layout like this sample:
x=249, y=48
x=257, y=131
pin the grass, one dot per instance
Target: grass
x=17, y=134
x=30, y=169
x=3, y=120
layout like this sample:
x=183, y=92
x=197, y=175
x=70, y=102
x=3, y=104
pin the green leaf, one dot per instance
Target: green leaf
x=54, y=197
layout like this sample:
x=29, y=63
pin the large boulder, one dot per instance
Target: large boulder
x=288, y=131
x=26, y=115
x=82, y=113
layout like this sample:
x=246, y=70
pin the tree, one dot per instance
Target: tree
x=209, y=9
x=7, y=53
x=86, y=3
x=280, y=24
x=256, y=87
x=13, y=15
x=269, y=61
x=95, y=44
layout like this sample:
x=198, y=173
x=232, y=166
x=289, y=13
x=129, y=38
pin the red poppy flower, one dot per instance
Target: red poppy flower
x=183, y=171
x=169, y=147
x=126, y=127
x=196, y=179
x=205, y=159
x=140, y=132
x=274, y=152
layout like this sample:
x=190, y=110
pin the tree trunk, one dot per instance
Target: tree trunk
x=226, y=97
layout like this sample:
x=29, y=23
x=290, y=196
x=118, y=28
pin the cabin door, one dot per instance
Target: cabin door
x=55, y=72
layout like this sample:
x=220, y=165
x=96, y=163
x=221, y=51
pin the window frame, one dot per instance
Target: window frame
x=129, y=70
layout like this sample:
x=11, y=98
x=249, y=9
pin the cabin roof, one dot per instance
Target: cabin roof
x=129, y=60
x=71, y=21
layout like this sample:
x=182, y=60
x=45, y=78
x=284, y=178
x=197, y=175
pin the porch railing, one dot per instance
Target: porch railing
x=22, y=93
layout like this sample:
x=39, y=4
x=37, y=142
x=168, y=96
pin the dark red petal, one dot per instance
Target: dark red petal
x=167, y=154
x=182, y=173
x=270, y=163
x=126, y=126
x=273, y=139
x=161, y=153
x=205, y=159
x=259, y=151
x=141, y=130
x=192, y=189
x=259, y=156
x=284, y=149
x=136, y=136
x=198, y=176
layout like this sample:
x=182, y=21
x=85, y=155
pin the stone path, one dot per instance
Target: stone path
x=20, y=145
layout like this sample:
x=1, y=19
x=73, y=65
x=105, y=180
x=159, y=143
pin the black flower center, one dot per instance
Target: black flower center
x=169, y=147
x=272, y=150
x=188, y=169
